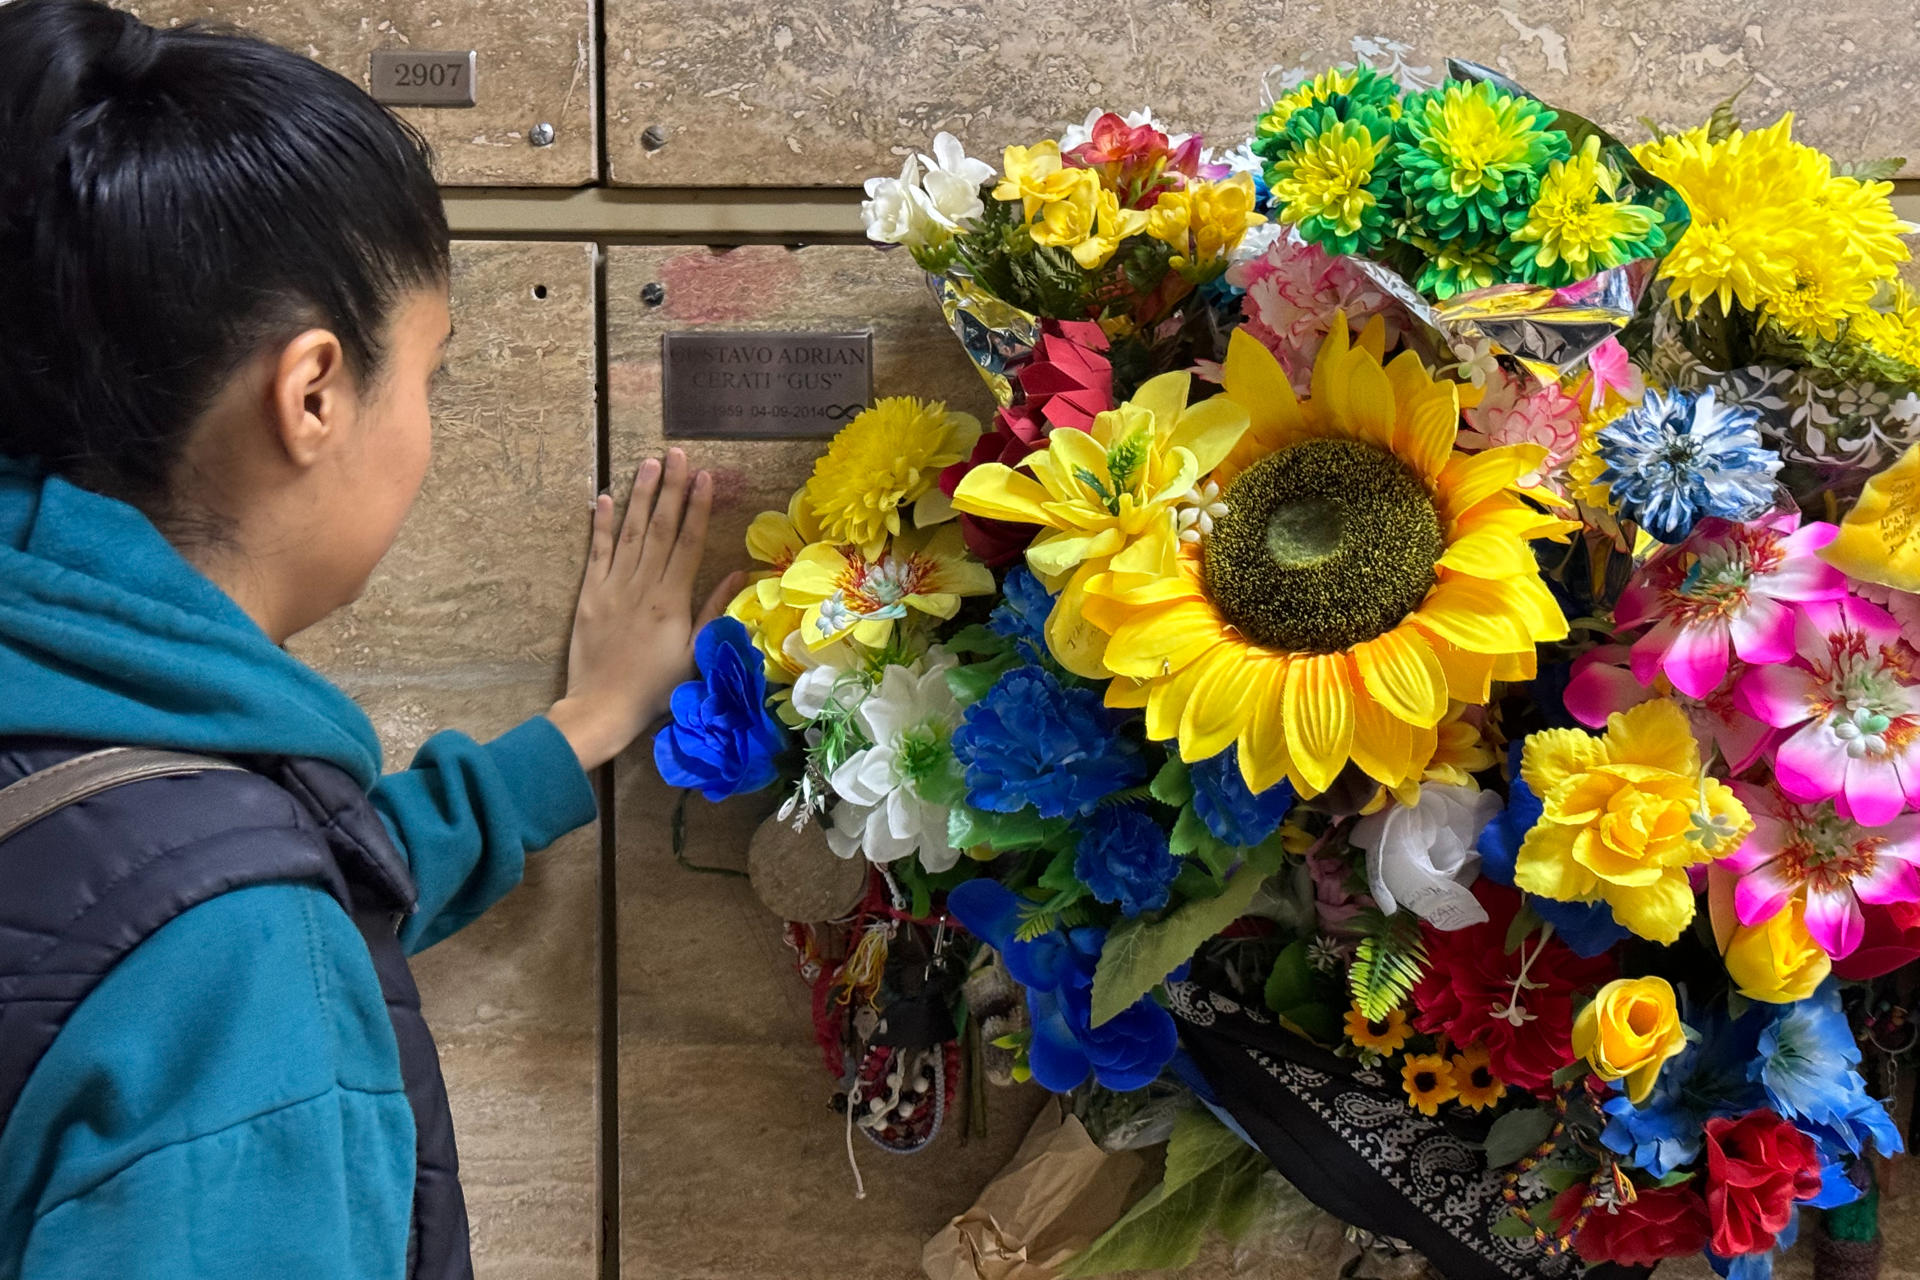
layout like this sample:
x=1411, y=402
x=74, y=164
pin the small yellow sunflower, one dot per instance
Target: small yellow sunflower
x=1387, y=1035
x=888, y=457
x=1366, y=576
x=1474, y=1080
x=1428, y=1080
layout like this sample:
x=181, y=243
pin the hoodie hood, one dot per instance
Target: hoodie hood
x=108, y=635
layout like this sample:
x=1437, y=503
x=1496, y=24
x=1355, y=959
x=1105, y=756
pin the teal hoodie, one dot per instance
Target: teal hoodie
x=228, y=1101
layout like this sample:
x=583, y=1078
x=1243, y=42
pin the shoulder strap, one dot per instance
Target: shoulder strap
x=39, y=794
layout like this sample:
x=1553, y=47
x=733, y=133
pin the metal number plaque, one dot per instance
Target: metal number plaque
x=417, y=78
x=729, y=386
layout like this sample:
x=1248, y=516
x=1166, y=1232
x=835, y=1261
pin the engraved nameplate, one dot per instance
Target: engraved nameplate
x=724, y=386
x=415, y=78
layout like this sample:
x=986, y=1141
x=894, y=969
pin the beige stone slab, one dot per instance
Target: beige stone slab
x=534, y=67
x=826, y=91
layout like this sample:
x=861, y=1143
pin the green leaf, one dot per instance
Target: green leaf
x=1059, y=875
x=1191, y=838
x=970, y=683
x=1653, y=127
x=1675, y=1177
x=1198, y=1142
x=1291, y=982
x=1558, y=1177
x=1525, y=921
x=1872, y=170
x=1571, y=1074
x=1721, y=122
x=1173, y=785
x=968, y=827
x=1140, y=954
x=1511, y=1226
x=1387, y=964
x=1516, y=1134
x=1195, y=881
x=981, y=640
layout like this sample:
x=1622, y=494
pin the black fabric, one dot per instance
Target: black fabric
x=83, y=887
x=1344, y=1135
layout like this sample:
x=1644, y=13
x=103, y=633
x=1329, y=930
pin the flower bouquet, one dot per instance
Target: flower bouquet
x=1477, y=771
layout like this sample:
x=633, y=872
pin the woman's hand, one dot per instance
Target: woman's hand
x=633, y=630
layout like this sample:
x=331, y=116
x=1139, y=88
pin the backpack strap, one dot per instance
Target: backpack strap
x=39, y=794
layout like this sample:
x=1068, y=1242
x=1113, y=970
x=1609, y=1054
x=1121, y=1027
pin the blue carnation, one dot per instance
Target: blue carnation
x=1679, y=457
x=1023, y=609
x=1124, y=859
x=722, y=739
x=1232, y=812
x=1128, y=1051
x=1588, y=927
x=1033, y=742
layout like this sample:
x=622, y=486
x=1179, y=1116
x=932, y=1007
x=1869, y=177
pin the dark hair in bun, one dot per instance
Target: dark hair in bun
x=171, y=201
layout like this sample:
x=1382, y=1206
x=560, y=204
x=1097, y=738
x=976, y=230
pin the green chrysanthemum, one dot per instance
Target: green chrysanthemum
x=1334, y=183
x=1577, y=227
x=1352, y=93
x=1459, y=266
x=1471, y=157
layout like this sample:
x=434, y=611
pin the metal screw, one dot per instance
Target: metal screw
x=654, y=138
x=653, y=293
x=541, y=135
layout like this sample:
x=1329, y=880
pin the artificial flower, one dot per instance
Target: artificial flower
x=1629, y=1030
x=841, y=591
x=721, y=738
x=1577, y=227
x=1728, y=586
x=1678, y=458
x=1624, y=816
x=1473, y=1077
x=952, y=182
x=1808, y=1062
x=1777, y=961
x=1198, y=508
x=1711, y=1076
x=1133, y=156
x=1021, y=615
x=1123, y=859
x=894, y=794
x=1232, y=813
x=898, y=211
x=1879, y=539
x=1852, y=709
x=1203, y=223
x=1427, y=1079
x=1757, y=1166
x=1093, y=491
x=1518, y=1004
x=1365, y=576
x=1602, y=683
x=1811, y=852
x=775, y=539
x=1035, y=743
x=887, y=458
x=1657, y=1224
x=1383, y=1035
x=1421, y=856
x=1891, y=939
x=1514, y=411
x=1473, y=156
x=1295, y=292
x=1611, y=373
x=828, y=680
x=1125, y=1052
x=1334, y=181
x=1587, y=927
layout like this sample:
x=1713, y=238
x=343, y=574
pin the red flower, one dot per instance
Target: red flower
x=1066, y=383
x=1519, y=1004
x=1662, y=1222
x=1757, y=1166
x=1892, y=938
x=1136, y=162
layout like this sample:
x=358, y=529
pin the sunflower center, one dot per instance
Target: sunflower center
x=1324, y=545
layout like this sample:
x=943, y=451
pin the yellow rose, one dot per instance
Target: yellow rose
x=1623, y=817
x=1777, y=962
x=1629, y=1030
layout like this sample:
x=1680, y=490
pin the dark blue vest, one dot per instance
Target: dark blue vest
x=86, y=885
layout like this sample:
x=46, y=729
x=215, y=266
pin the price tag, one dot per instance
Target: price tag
x=722, y=386
x=417, y=78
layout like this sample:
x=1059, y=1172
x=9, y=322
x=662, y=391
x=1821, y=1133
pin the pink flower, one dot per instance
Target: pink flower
x=1514, y=411
x=1136, y=161
x=1293, y=291
x=1903, y=605
x=1611, y=370
x=1602, y=684
x=1727, y=582
x=1853, y=703
x=1837, y=864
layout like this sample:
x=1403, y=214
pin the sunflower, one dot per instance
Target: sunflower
x=1385, y=1035
x=888, y=457
x=1428, y=1080
x=1474, y=1079
x=841, y=590
x=1365, y=577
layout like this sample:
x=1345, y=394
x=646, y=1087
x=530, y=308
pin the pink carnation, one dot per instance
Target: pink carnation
x=1517, y=412
x=1603, y=683
x=1728, y=585
x=1293, y=291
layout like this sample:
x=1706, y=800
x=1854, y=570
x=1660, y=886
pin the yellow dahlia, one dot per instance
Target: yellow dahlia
x=888, y=457
x=775, y=539
x=1366, y=576
x=842, y=591
x=1099, y=490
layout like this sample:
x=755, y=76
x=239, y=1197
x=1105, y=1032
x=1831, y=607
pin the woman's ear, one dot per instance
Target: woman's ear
x=310, y=396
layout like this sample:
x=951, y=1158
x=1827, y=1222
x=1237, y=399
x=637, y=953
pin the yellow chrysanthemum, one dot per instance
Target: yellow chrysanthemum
x=1571, y=224
x=1828, y=285
x=1095, y=491
x=843, y=591
x=1473, y=1076
x=1331, y=178
x=1387, y=1035
x=1428, y=1081
x=1861, y=214
x=775, y=539
x=1366, y=576
x=1322, y=88
x=1203, y=223
x=1894, y=329
x=888, y=457
x=1624, y=815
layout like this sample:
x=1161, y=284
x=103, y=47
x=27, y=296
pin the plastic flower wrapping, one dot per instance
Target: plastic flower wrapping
x=1428, y=640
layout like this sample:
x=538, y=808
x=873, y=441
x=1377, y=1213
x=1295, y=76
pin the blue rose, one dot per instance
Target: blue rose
x=1023, y=609
x=1588, y=927
x=721, y=740
x=1126, y=1052
x=1034, y=742
x=1124, y=859
x=1232, y=812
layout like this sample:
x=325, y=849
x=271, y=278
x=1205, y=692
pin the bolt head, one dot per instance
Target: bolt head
x=541, y=135
x=654, y=137
x=653, y=293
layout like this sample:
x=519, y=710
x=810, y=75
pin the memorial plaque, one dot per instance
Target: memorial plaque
x=729, y=386
x=414, y=78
